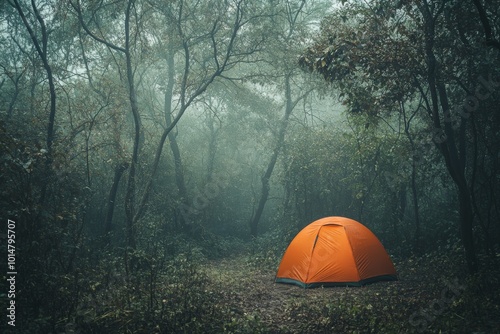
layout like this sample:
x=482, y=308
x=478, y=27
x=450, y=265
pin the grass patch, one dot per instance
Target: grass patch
x=193, y=294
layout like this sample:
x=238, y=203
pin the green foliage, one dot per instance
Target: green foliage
x=431, y=296
x=207, y=276
x=188, y=305
x=366, y=175
x=267, y=249
x=477, y=307
x=387, y=58
x=349, y=314
x=169, y=298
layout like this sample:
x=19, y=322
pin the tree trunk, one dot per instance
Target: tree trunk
x=417, y=242
x=174, y=147
x=254, y=221
x=119, y=170
x=488, y=31
x=42, y=52
x=445, y=140
x=466, y=224
x=131, y=184
x=417, y=247
x=456, y=167
x=212, y=148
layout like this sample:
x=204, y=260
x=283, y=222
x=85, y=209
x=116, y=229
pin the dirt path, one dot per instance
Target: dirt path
x=253, y=294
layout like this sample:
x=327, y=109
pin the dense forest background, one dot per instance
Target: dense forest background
x=158, y=156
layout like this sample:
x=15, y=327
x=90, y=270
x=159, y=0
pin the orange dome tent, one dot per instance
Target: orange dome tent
x=335, y=251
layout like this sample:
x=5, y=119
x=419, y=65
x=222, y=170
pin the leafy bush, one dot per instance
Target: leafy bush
x=268, y=249
x=173, y=297
x=187, y=304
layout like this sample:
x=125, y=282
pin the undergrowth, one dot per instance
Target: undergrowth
x=191, y=293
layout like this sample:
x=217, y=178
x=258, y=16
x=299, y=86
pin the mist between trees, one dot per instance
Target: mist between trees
x=202, y=198
x=144, y=136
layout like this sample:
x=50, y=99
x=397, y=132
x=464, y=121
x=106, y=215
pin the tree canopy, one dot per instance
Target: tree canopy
x=159, y=156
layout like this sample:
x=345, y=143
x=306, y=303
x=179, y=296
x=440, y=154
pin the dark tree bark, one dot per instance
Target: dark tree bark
x=292, y=16
x=417, y=239
x=445, y=139
x=130, y=209
x=485, y=22
x=413, y=182
x=212, y=147
x=108, y=223
x=41, y=49
x=174, y=147
x=15, y=80
x=188, y=94
x=264, y=194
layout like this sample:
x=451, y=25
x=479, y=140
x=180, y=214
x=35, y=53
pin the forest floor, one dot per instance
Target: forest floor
x=427, y=298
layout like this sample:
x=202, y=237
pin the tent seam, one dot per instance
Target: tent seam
x=312, y=251
x=352, y=252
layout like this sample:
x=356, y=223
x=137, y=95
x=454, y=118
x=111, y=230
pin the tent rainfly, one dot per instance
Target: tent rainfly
x=335, y=251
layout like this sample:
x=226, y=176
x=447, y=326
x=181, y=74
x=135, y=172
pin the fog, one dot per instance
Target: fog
x=158, y=158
